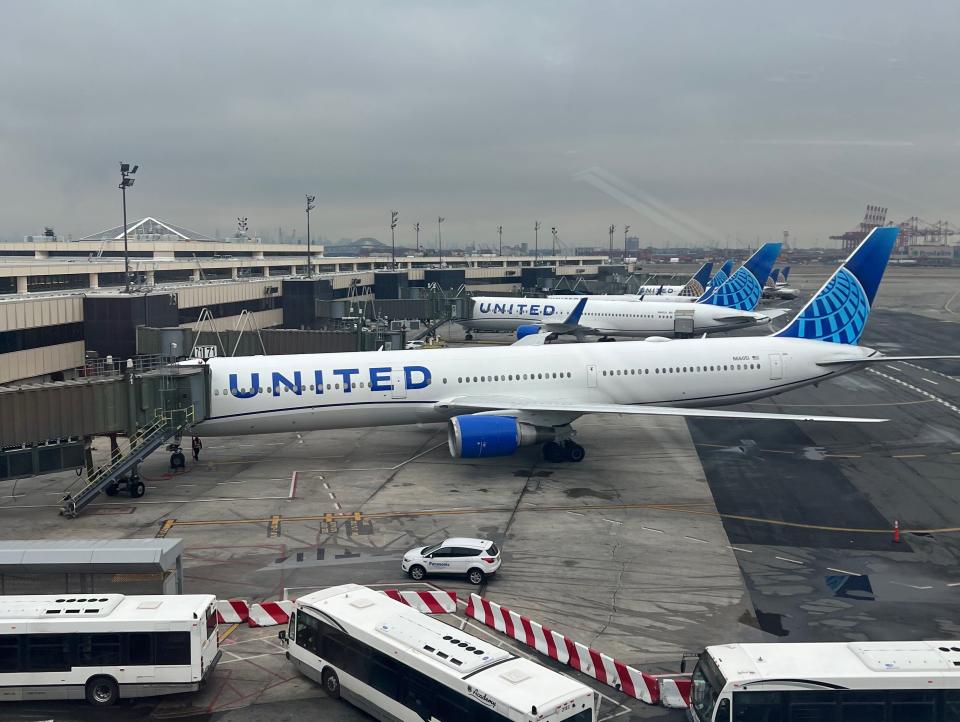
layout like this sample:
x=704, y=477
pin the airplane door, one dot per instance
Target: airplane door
x=399, y=384
x=776, y=366
x=591, y=376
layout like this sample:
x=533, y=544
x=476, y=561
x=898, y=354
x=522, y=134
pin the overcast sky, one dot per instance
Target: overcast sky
x=691, y=121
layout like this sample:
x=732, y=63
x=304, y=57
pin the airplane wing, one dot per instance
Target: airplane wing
x=573, y=409
x=883, y=359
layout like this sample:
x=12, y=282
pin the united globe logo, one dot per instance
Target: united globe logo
x=742, y=292
x=838, y=313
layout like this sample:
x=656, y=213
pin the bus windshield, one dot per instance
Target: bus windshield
x=707, y=685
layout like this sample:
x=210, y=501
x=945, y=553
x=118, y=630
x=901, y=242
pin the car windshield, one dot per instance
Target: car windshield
x=492, y=550
x=430, y=549
x=707, y=685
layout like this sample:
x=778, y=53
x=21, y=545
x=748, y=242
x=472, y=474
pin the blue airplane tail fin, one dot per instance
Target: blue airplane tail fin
x=775, y=275
x=703, y=275
x=786, y=273
x=743, y=290
x=718, y=280
x=838, y=312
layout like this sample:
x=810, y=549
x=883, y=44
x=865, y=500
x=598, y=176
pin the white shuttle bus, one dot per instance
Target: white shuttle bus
x=829, y=682
x=399, y=665
x=105, y=646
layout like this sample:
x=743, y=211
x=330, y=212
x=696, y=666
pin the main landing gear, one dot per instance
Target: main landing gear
x=606, y=339
x=555, y=451
x=468, y=336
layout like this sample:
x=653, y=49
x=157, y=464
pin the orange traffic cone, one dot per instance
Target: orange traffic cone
x=896, y=531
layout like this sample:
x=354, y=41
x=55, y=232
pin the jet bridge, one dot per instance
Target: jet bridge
x=148, y=400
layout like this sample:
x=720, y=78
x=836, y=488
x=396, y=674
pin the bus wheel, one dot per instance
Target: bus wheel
x=102, y=691
x=331, y=683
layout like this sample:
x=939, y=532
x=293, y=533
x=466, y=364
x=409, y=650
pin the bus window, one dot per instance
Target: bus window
x=707, y=685
x=139, y=648
x=759, y=707
x=862, y=706
x=173, y=648
x=951, y=705
x=385, y=675
x=10, y=653
x=812, y=706
x=98, y=650
x=211, y=620
x=48, y=653
x=308, y=634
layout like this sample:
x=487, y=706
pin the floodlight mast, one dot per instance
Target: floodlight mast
x=393, y=240
x=440, y=219
x=416, y=227
x=126, y=182
x=611, y=230
x=500, y=231
x=626, y=230
x=536, y=251
x=310, y=207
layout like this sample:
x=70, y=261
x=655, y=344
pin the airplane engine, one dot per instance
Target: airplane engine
x=528, y=330
x=474, y=437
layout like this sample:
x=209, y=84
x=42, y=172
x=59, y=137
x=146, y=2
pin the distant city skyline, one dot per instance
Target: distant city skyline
x=689, y=122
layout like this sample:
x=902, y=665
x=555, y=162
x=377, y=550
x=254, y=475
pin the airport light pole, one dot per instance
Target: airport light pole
x=393, y=240
x=126, y=182
x=310, y=207
x=612, y=229
x=500, y=231
x=626, y=230
x=536, y=250
x=440, y=219
x=554, y=250
x=416, y=227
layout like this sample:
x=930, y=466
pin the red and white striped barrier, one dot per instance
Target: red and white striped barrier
x=675, y=691
x=601, y=667
x=232, y=611
x=428, y=602
x=270, y=614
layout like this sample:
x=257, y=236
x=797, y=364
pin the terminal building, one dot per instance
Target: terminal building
x=64, y=302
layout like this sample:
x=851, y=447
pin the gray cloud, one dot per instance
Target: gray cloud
x=741, y=119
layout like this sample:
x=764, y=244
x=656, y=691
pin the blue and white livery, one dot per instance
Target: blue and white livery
x=498, y=399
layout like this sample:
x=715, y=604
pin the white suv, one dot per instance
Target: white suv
x=476, y=558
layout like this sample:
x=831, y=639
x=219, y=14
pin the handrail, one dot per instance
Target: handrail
x=163, y=422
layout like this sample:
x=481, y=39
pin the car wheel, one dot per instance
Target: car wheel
x=331, y=683
x=102, y=691
x=417, y=572
x=476, y=576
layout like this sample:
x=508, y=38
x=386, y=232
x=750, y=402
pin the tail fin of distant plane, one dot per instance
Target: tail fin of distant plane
x=786, y=273
x=775, y=275
x=703, y=275
x=743, y=290
x=838, y=311
x=721, y=276
x=698, y=282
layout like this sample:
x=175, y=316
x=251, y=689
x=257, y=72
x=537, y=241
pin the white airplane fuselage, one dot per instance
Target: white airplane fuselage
x=607, y=316
x=308, y=392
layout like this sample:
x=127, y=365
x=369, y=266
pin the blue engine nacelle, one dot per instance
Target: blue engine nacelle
x=474, y=437
x=528, y=330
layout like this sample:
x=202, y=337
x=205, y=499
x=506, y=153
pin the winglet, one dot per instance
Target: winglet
x=574, y=318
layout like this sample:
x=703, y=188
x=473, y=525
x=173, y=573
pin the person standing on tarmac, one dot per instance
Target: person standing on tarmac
x=197, y=445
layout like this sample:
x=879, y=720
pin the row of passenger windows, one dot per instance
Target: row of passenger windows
x=526, y=377
x=684, y=369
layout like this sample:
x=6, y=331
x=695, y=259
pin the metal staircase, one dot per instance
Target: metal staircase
x=166, y=424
